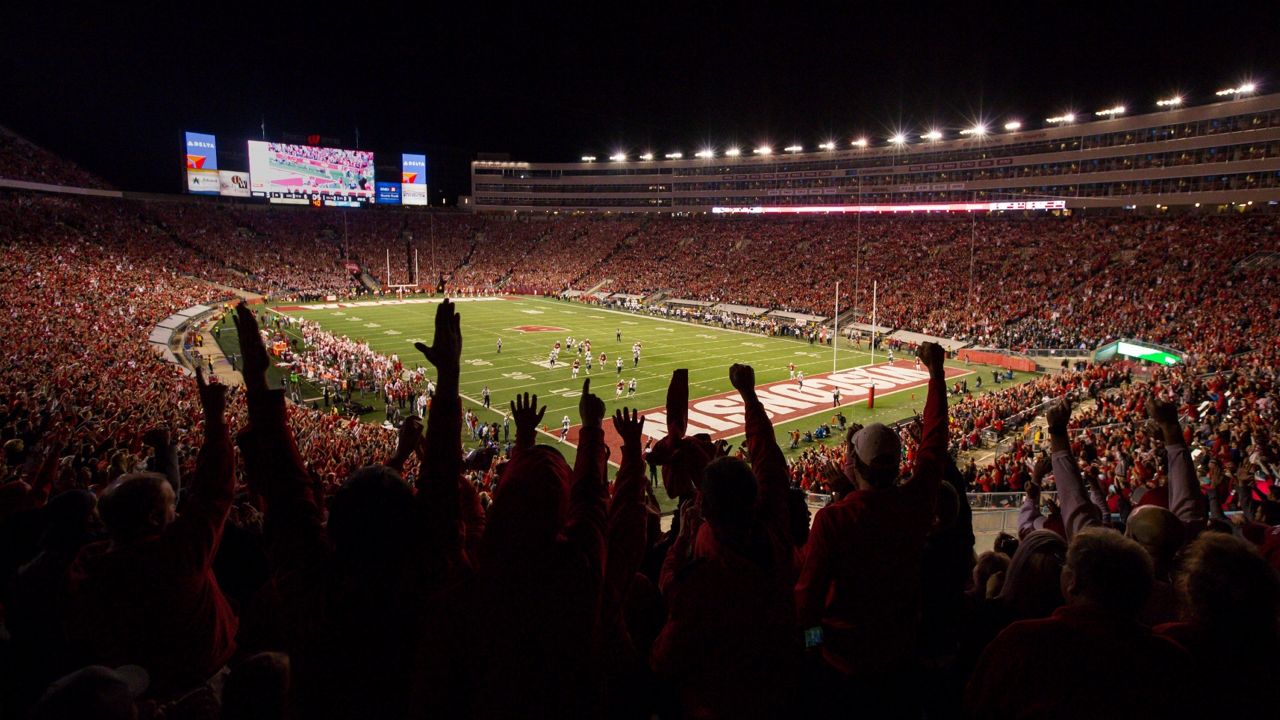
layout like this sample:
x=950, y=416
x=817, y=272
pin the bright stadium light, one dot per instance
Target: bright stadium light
x=1244, y=89
x=976, y=131
x=1013, y=125
x=618, y=157
x=793, y=148
x=1174, y=101
x=828, y=145
x=647, y=156
x=588, y=158
x=1111, y=111
x=932, y=135
x=732, y=152
x=860, y=142
x=674, y=155
x=1061, y=119
x=705, y=153
x=763, y=150
x=898, y=139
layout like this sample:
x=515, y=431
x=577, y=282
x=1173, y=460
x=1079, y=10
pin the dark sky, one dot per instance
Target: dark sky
x=113, y=88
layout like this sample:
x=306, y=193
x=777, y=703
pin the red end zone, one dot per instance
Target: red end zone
x=721, y=416
x=538, y=328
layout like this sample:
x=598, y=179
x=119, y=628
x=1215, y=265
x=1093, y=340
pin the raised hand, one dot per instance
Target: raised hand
x=252, y=349
x=590, y=407
x=1044, y=465
x=1057, y=416
x=932, y=355
x=629, y=426
x=1165, y=415
x=743, y=378
x=407, y=441
x=445, y=352
x=527, y=416
x=213, y=399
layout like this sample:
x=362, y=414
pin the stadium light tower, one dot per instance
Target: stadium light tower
x=1111, y=111
x=732, y=152
x=1013, y=125
x=898, y=139
x=618, y=157
x=828, y=145
x=705, y=153
x=1063, y=119
x=674, y=155
x=793, y=148
x=588, y=158
x=1172, y=102
x=647, y=156
x=763, y=150
x=978, y=130
x=861, y=142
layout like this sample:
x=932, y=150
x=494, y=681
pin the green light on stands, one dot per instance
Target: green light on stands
x=1145, y=353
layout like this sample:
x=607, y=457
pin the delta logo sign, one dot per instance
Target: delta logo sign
x=202, y=151
x=409, y=178
x=723, y=416
x=413, y=169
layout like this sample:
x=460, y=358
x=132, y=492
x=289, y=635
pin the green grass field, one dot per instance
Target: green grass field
x=667, y=345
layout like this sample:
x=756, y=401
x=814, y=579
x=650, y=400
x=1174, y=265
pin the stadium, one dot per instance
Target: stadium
x=969, y=418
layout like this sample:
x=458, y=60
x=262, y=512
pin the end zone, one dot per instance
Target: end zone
x=722, y=416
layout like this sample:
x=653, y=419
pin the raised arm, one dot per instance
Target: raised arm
x=166, y=455
x=439, y=492
x=588, y=496
x=627, y=516
x=197, y=531
x=932, y=454
x=767, y=461
x=1078, y=512
x=1029, y=517
x=1185, y=497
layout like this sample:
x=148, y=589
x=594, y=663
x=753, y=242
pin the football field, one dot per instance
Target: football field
x=529, y=327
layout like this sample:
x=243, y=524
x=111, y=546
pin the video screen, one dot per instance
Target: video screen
x=302, y=174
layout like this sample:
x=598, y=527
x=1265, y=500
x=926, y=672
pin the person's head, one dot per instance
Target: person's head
x=1032, y=584
x=371, y=518
x=728, y=496
x=989, y=564
x=874, y=454
x=137, y=505
x=531, y=502
x=1226, y=585
x=1108, y=571
x=1159, y=532
x=70, y=519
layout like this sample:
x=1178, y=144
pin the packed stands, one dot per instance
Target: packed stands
x=346, y=570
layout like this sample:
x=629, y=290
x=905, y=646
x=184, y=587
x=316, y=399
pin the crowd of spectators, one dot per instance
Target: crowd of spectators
x=22, y=160
x=321, y=567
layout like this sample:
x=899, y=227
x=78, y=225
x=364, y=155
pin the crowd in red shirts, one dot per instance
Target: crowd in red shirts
x=184, y=550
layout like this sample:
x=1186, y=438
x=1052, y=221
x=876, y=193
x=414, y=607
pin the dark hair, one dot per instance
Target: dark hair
x=728, y=493
x=371, y=518
x=1228, y=586
x=1111, y=570
x=128, y=505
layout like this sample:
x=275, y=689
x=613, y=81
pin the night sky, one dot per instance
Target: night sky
x=112, y=88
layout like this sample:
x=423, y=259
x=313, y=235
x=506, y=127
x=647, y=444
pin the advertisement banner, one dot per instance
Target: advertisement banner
x=233, y=184
x=202, y=163
x=413, y=176
x=388, y=193
x=202, y=182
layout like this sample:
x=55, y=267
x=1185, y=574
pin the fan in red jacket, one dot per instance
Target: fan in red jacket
x=148, y=595
x=861, y=580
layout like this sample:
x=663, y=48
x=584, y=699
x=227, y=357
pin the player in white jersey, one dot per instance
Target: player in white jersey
x=564, y=429
x=576, y=364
